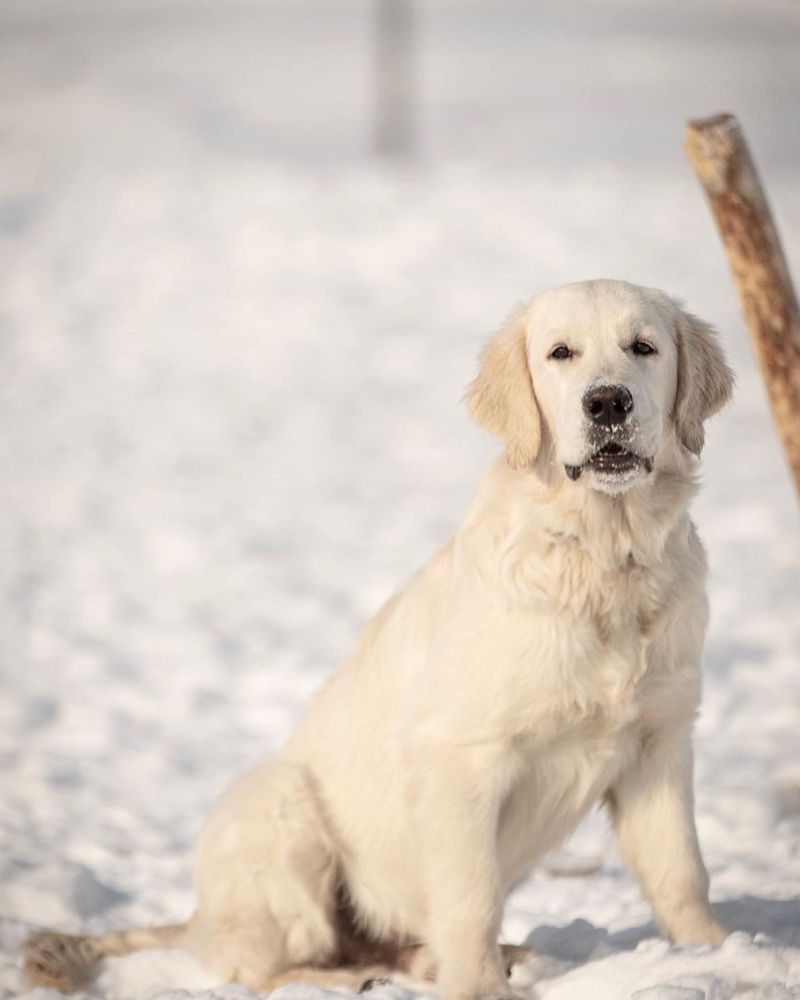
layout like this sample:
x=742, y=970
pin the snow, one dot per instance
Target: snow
x=233, y=348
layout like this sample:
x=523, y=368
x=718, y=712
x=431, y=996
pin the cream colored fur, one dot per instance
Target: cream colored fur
x=545, y=659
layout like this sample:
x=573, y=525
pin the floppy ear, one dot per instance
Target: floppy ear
x=705, y=382
x=501, y=398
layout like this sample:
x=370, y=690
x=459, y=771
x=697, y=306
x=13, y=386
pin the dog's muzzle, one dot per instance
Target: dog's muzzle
x=611, y=461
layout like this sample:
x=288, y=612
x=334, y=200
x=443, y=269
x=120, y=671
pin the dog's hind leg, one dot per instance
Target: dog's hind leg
x=355, y=980
x=266, y=879
x=419, y=964
x=267, y=874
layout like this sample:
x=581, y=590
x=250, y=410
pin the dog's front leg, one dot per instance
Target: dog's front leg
x=457, y=794
x=653, y=808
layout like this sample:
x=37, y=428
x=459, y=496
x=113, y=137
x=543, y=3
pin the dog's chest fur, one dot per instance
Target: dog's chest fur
x=596, y=611
x=595, y=724
x=602, y=612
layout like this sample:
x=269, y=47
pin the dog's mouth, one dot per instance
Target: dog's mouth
x=611, y=461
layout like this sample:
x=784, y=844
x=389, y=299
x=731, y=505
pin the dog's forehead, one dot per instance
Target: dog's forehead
x=595, y=307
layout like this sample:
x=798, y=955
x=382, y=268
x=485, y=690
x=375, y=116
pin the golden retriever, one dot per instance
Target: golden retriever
x=548, y=657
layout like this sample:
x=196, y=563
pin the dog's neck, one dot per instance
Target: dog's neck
x=613, y=530
x=633, y=526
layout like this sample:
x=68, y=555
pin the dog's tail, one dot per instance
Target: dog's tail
x=65, y=962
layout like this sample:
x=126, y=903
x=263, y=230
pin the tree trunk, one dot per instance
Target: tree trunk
x=719, y=155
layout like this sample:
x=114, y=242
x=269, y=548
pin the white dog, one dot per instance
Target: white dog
x=546, y=658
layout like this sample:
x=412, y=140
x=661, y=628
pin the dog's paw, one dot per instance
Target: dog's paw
x=506, y=994
x=700, y=929
x=370, y=984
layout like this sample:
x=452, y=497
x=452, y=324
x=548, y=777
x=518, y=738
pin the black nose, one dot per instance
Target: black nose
x=607, y=404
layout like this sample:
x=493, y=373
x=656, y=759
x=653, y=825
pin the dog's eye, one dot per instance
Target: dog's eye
x=561, y=353
x=642, y=348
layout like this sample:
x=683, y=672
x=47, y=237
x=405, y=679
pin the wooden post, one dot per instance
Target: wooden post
x=394, y=78
x=719, y=154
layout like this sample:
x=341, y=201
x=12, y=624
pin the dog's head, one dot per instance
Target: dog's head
x=609, y=373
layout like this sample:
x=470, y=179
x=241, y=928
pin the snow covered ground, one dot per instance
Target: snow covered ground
x=232, y=353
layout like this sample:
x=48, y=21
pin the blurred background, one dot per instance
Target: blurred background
x=249, y=251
